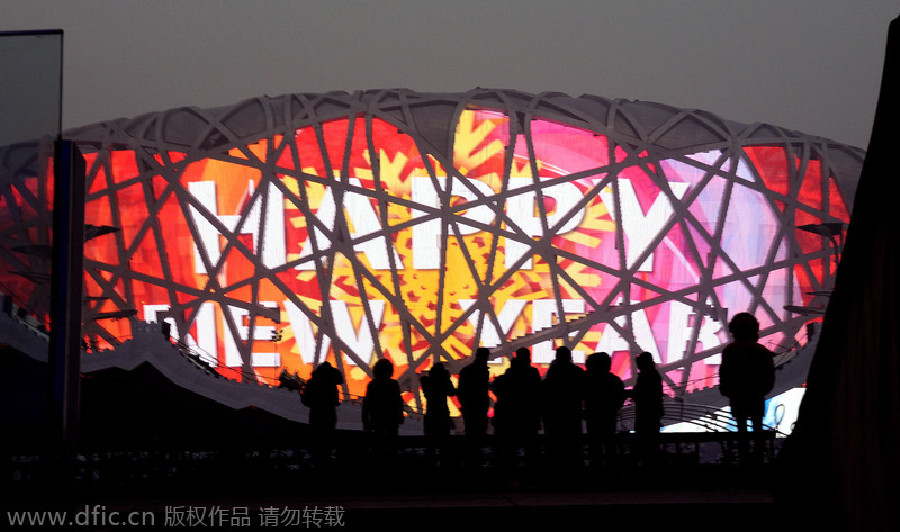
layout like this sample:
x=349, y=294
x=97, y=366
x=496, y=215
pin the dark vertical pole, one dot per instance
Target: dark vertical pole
x=65, y=300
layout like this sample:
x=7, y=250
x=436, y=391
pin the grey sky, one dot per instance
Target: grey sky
x=809, y=65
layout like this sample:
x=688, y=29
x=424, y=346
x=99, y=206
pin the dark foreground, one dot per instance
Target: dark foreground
x=694, y=485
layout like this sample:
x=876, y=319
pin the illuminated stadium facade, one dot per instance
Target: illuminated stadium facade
x=282, y=232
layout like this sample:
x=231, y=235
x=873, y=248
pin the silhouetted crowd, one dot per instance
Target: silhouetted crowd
x=567, y=400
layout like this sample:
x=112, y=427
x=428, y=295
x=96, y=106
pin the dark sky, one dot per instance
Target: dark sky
x=810, y=65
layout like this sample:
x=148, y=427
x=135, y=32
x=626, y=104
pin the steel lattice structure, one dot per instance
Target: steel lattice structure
x=434, y=223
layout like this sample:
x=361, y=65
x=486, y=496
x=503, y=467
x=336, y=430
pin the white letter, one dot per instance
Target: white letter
x=490, y=337
x=611, y=341
x=426, y=243
x=542, y=312
x=272, y=250
x=306, y=340
x=364, y=221
x=681, y=328
x=521, y=210
x=260, y=332
x=640, y=230
x=362, y=343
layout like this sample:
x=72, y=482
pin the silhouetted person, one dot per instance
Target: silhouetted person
x=746, y=375
x=603, y=398
x=517, y=414
x=647, y=395
x=474, y=402
x=290, y=382
x=322, y=397
x=382, y=409
x=563, y=413
x=437, y=388
x=284, y=378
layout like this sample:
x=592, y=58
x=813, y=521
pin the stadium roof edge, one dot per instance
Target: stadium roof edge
x=629, y=122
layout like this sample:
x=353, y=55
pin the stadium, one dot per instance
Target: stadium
x=281, y=232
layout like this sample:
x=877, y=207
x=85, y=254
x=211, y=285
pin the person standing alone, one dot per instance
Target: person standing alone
x=746, y=376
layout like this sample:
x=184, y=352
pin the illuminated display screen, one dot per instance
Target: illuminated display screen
x=358, y=238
